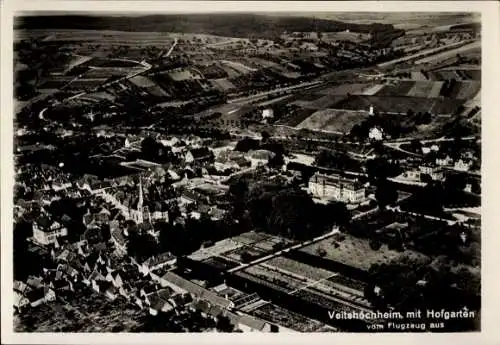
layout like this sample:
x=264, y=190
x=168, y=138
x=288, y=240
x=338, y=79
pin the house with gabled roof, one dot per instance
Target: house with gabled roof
x=21, y=287
x=40, y=296
x=158, y=305
x=198, y=155
x=148, y=288
x=68, y=271
x=99, y=187
x=165, y=294
x=157, y=262
x=21, y=303
x=62, y=285
x=182, y=285
x=46, y=230
x=248, y=323
x=34, y=282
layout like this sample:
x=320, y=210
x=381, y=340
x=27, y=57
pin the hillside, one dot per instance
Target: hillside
x=231, y=25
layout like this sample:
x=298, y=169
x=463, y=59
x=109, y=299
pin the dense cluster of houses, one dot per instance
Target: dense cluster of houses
x=99, y=261
x=150, y=285
x=465, y=160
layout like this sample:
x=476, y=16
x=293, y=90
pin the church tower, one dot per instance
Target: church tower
x=140, y=204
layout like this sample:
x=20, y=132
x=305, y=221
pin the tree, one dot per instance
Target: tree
x=239, y=188
x=386, y=194
x=321, y=252
x=375, y=244
x=379, y=168
x=276, y=161
x=223, y=324
x=247, y=144
x=337, y=213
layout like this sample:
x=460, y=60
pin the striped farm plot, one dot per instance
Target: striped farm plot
x=448, y=75
x=436, y=89
x=468, y=89
x=373, y=89
x=296, y=267
x=155, y=90
x=320, y=102
x=185, y=74
x=239, y=67
x=264, y=63
x=418, y=76
x=400, y=104
x=314, y=278
x=222, y=84
x=333, y=120
x=250, y=237
x=344, y=89
x=398, y=88
x=428, y=89
x=217, y=249
x=141, y=81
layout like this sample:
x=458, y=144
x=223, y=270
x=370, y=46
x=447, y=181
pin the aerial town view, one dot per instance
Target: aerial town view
x=247, y=172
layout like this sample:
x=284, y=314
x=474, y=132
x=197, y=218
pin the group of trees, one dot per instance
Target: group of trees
x=180, y=238
x=156, y=152
x=336, y=160
x=391, y=125
x=380, y=168
x=287, y=211
x=409, y=284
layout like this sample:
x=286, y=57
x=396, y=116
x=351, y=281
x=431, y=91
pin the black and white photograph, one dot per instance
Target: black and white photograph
x=233, y=172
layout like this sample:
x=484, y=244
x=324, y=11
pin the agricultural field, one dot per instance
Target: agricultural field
x=296, y=118
x=217, y=249
x=333, y=120
x=373, y=89
x=268, y=244
x=299, y=268
x=106, y=72
x=148, y=85
x=462, y=89
x=53, y=84
x=319, y=102
x=141, y=81
x=356, y=252
x=399, y=88
x=417, y=75
x=289, y=319
x=323, y=279
x=85, y=84
x=264, y=63
x=239, y=67
x=285, y=282
x=255, y=238
x=185, y=74
x=100, y=96
x=344, y=89
x=400, y=105
x=249, y=251
x=229, y=71
x=455, y=73
x=467, y=89
x=427, y=89
x=220, y=263
x=464, y=49
x=86, y=311
x=355, y=37
x=222, y=84
x=113, y=63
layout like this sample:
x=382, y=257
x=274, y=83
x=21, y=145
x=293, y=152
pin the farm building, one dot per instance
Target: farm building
x=267, y=114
